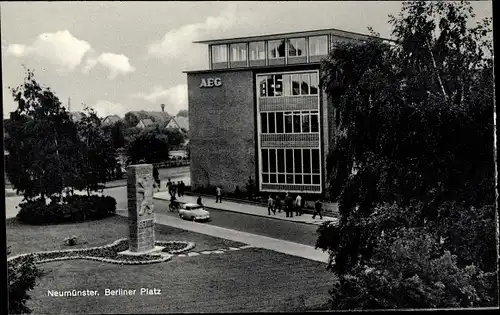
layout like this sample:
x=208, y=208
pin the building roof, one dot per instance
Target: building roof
x=111, y=119
x=179, y=122
x=333, y=31
x=158, y=117
x=146, y=122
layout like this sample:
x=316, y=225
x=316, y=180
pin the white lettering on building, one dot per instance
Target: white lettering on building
x=211, y=82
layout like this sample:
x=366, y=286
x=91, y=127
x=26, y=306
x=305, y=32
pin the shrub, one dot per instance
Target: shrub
x=75, y=208
x=22, y=275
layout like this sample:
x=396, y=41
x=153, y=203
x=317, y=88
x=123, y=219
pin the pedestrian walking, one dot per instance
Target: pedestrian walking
x=182, y=187
x=317, y=207
x=270, y=206
x=198, y=201
x=169, y=187
x=174, y=189
x=218, y=195
x=277, y=204
x=156, y=176
x=288, y=206
x=298, y=205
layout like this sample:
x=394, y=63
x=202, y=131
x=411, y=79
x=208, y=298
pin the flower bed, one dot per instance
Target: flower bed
x=108, y=253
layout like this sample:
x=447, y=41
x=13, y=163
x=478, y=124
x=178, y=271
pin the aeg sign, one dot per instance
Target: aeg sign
x=210, y=82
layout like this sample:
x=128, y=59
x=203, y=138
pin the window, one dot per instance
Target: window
x=278, y=85
x=263, y=85
x=307, y=160
x=263, y=122
x=288, y=122
x=296, y=47
x=289, y=161
x=281, y=161
x=304, y=83
x=219, y=53
x=318, y=45
x=287, y=87
x=272, y=125
x=272, y=160
x=296, y=122
x=295, y=84
x=276, y=49
x=279, y=122
x=314, y=122
x=314, y=83
x=315, y=161
x=257, y=51
x=265, y=161
x=238, y=52
x=305, y=122
x=297, y=160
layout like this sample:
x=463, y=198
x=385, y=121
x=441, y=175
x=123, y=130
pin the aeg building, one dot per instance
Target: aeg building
x=259, y=112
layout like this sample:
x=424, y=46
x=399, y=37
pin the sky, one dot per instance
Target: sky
x=121, y=56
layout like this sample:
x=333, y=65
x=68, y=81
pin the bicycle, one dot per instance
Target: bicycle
x=174, y=206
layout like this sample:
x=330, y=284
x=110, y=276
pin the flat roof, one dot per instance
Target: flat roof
x=333, y=31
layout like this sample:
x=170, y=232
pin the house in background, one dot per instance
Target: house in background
x=111, y=119
x=144, y=123
x=180, y=123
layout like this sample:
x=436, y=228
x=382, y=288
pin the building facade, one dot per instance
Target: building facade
x=259, y=112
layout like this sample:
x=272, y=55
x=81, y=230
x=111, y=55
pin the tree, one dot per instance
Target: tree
x=150, y=146
x=22, y=275
x=414, y=132
x=42, y=143
x=183, y=113
x=97, y=154
x=117, y=135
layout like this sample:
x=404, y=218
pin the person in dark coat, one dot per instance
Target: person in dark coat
x=288, y=206
x=198, y=201
x=277, y=203
x=317, y=207
x=270, y=206
x=180, y=189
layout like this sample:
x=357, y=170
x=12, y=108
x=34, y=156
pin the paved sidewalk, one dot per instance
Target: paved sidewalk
x=246, y=209
x=285, y=247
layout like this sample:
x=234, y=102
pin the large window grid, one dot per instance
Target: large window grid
x=289, y=122
x=219, y=53
x=296, y=84
x=291, y=166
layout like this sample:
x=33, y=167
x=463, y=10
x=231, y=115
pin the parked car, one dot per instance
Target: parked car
x=194, y=212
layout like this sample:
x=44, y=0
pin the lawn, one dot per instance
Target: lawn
x=237, y=281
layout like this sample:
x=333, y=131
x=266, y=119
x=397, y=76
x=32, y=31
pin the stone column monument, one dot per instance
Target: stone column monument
x=140, y=210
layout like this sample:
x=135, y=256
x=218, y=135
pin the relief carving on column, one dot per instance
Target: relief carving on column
x=144, y=188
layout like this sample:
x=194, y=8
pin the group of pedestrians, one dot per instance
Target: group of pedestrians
x=176, y=188
x=290, y=205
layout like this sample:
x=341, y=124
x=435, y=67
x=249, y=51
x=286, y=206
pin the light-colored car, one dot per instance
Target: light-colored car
x=194, y=212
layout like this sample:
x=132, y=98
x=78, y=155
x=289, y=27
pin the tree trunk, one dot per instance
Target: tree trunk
x=436, y=70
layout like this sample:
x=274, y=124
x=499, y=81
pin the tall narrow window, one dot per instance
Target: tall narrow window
x=315, y=161
x=318, y=45
x=281, y=160
x=287, y=85
x=305, y=122
x=257, y=51
x=263, y=122
x=289, y=161
x=272, y=124
x=295, y=84
x=270, y=85
x=304, y=83
x=265, y=161
x=279, y=122
x=297, y=160
x=219, y=53
x=276, y=49
x=263, y=85
x=314, y=84
x=314, y=122
x=288, y=122
x=296, y=122
x=278, y=85
x=307, y=160
x=272, y=160
x=297, y=47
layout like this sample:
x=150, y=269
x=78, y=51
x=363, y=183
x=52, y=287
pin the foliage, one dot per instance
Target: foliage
x=152, y=145
x=409, y=269
x=413, y=152
x=75, y=208
x=250, y=187
x=43, y=142
x=22, y=277
x=97, y=154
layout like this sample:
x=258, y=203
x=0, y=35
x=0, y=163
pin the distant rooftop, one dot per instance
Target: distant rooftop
x=333, y=31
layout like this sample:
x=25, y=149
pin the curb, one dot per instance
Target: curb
x=252, y=214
